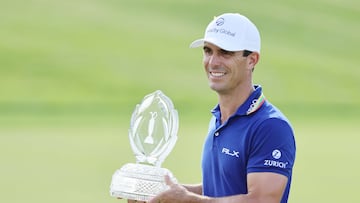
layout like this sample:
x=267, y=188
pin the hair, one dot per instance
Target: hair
x=246, y=53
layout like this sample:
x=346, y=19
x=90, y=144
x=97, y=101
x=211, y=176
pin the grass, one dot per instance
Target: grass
x=325, y=170
x=71, y=73
x=74, y=162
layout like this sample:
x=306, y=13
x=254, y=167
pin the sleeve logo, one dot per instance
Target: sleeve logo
x=276, y=154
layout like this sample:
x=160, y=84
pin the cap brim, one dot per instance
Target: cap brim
x=201, y=43
x=197, y=43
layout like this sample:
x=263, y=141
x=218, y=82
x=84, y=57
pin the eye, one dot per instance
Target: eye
x=207, y=50
x=226, y=53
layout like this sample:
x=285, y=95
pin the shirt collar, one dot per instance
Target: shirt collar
x=252, y=104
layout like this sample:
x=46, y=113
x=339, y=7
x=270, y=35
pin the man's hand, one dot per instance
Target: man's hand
x=173, y=194
x=132, y=201
x=176, y=193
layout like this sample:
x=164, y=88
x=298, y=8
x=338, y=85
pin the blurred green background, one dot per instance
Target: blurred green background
x=71, y=73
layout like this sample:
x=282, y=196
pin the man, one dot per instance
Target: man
x=249, y=152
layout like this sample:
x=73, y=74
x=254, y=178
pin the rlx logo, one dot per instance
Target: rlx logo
x=227, y=152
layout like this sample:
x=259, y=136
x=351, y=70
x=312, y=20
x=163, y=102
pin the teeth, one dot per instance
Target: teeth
x=217, y=74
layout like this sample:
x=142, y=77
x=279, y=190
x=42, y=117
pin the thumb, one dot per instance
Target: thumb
x=168, y=180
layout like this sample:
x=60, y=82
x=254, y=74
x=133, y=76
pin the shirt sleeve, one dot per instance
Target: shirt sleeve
x=272, y=148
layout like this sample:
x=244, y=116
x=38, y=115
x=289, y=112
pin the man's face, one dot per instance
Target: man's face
x=226, y=70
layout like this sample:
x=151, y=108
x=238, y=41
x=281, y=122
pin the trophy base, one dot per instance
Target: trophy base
x=139, y=182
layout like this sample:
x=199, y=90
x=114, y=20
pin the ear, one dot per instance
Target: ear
x=253, y=59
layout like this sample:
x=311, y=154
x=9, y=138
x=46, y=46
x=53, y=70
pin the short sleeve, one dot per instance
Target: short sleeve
x=272, y=148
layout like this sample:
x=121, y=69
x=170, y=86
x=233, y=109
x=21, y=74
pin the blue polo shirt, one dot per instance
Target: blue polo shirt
x=257, y=138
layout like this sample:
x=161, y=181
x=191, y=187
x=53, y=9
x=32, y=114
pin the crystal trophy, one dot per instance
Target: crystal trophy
x=153, y=134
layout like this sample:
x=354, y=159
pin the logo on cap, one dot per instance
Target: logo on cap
x=220, y=22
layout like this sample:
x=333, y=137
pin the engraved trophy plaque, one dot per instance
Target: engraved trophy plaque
x=153, y=134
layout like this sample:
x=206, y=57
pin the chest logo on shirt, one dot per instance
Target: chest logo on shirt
x=229, y=152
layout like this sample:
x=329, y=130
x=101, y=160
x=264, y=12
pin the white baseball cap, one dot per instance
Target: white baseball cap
x=231, y=32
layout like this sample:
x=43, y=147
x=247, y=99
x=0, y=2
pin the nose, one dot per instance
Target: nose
x=213, y=60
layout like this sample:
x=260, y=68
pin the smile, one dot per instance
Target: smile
x=217, y=74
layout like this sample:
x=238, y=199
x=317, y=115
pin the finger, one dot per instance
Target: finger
x=168, y=180
x=153, y=200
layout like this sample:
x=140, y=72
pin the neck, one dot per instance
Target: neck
x=230, y=102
